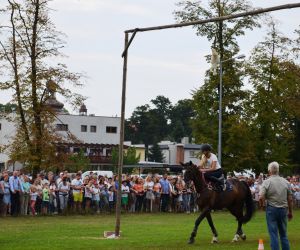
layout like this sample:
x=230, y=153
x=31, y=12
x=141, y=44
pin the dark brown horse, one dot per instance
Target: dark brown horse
x=234, y=200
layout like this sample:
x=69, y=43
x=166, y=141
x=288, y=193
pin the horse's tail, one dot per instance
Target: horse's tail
x=250, y=209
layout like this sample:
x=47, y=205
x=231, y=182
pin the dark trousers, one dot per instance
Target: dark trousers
x=139, y=203
x=165, y=202
x=15, y=203
x=213, y=175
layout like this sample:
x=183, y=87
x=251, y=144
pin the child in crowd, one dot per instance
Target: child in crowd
x=96, y=197
x=103, y=197
x=52, y=197
x=111, y=198
x=45, y=198
x=33, y=197
x=88, y=195
x=125, y=192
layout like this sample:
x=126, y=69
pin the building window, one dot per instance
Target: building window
x=192, y=154
x=62, y=127
x=83, y=128
x=112, y=130
x=76, y=150
x=93, y=129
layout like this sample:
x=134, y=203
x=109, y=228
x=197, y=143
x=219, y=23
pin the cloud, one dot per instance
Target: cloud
x=193, y=66
x=116, y=6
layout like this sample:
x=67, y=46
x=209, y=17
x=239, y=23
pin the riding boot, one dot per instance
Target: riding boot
x=219, y=184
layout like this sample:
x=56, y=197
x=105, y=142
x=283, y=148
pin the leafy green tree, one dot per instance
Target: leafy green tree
x=295, y=102
x=130, y=157
x=155, y=154
x=274, y=105
x=139, y=125
x=7, y=108
x=78, y=162
x=149, y=123
x=181, y=117
x=223, y=37
x=159, y=121
x=160, y=116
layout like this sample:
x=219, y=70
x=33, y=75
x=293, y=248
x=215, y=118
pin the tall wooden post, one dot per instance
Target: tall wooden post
x=120, y=162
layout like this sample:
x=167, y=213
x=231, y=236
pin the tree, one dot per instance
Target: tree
x=222, y=36
x=7, y=108
x=274, y=107
x=164, y=121
x=181, y=117
x=78, y=161
x=147, y=124
x=29, y=48
x=155, y=154
x=160, y=116
x=139, y=125
x=130, y=157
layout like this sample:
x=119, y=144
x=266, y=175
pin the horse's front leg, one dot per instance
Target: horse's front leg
x=212, y=227
x=197, y=223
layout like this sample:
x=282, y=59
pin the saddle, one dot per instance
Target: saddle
x=220, y=184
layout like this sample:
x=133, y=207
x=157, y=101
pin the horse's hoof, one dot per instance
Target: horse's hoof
x=191, y=241
x=214, y=240
x=243, y=237
x=235, y=238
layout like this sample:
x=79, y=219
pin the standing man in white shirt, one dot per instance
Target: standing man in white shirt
x=276, y=191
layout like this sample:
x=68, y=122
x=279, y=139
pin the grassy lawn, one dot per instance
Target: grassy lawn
x=140, y=231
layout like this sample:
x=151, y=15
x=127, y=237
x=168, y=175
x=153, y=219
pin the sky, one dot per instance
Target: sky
x=169, y=62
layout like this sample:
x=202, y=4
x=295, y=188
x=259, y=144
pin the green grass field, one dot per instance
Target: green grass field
x=139, y=231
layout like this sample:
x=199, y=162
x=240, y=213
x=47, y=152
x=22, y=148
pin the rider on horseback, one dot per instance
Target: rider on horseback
x=211, y=168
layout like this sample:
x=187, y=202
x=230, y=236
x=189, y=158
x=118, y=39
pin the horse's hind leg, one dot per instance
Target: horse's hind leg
x=240, y=231
x=197, y=223
x=238, y=213
x=212, y=227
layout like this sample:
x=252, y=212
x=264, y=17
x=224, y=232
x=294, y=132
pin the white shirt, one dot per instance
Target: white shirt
x=61, y=186
x=96, y=194
x=44, y=181
x=125, y=191
x=210, y=160
x=110, y=196
x=76, y=182
x=149, y=185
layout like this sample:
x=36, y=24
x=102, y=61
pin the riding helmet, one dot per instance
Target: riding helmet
x=206, y=147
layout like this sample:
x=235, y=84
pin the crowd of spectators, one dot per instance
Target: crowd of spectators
x=66, y=193
x=255, y=185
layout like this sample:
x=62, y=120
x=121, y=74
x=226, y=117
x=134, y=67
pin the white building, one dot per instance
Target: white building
x=97, y=135
x=90, y=128
x=174, y=153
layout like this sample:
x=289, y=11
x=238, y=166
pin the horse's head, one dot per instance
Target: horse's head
x=190, y=171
